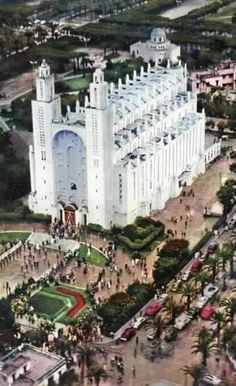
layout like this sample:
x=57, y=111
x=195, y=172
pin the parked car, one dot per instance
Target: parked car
x=207, y=312
x=211, y=379
x=203, y=257
x=162, y=298
x=153, y=308
x=202, y=300
x=192, y=312
x=210, y=290
x=182, y=321
x=212, y=247
x=176, y=285
x=196, y=266
x=138, y=322
x=185, y=275
x=171, y=334
x=128, y=334
x=232, y=222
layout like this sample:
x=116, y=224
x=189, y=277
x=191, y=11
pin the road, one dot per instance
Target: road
x=169, y=367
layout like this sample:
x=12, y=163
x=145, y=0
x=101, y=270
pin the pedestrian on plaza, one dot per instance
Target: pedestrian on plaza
x=134, y=371
x=141, y=346
x=137, y=340
x=135, y=353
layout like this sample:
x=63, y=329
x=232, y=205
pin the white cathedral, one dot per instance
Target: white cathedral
x=125, y=153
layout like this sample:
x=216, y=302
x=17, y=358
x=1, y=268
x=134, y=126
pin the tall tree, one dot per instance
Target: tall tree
x=204, y=345
x=157, y=325
x=195, y=371
x=172, y=308
x=230, y=308
x=188, y=292
x=202, y=278
x=98, y=373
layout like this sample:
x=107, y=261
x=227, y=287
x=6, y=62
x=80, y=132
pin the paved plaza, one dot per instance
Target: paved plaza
x=191, y=207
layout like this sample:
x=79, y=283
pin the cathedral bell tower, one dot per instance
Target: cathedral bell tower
x=45, y=110
x=99, y=140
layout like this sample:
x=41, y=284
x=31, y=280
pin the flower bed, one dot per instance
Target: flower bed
x=80, y=302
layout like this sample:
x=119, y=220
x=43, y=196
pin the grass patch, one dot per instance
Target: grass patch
x=6, y=237
x=43, y=304
x=51, y=304
x=95, y=257
x=78, y=83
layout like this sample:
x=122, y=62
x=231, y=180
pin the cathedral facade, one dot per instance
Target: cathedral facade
x=129, y=149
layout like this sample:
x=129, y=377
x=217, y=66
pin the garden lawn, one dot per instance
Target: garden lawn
x=61, y=303
x=7, y=237
x=45, y=305
x=78, y=83
x=95, y=258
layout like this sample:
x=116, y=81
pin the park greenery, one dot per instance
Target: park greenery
x=14, y=173
x=216, y=104
x=227, y=195
x=172, y=257
x=122, y=306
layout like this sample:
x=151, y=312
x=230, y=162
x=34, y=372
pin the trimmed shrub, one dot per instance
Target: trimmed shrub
x=31, y=217
x=138, y=244
x=174, y=247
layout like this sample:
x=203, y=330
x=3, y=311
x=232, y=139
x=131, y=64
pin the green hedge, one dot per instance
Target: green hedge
x=219, y=222
x=173, y=247
x=15, y=217
x=201, y=243
x=122, y=306
x=140, y=244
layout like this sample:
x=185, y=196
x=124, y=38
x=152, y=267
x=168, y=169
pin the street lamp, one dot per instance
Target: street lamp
x=33, y=63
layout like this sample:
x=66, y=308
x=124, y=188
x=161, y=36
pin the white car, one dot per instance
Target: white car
x=185, y=275
x=162, y=298
x=175, y=286
x=211, y=379
x=182, y=320
x=210, y=290
x=139, y=320
x=202, y=300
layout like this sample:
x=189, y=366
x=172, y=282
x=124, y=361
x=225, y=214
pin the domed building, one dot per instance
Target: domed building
x=157, y=49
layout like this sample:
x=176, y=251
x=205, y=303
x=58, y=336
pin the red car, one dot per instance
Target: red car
x=153, y=309
x=207, y=312
x=128, y=334
x=196, y=266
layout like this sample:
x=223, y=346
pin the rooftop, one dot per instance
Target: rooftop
x=42, y=365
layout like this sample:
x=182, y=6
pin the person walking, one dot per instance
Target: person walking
x=134, y=371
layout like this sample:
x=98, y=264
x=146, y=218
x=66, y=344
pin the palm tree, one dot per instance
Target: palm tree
x=188, y=292
x=157, y=325
x=213, y=265
x=172, y=309
x=87, y=355
x=219, y=320
x=229, y=249
x=203, y=278
x=230, y=307
x=226, y=337
x=195, y=371
x=97, y=373
x=204, y=345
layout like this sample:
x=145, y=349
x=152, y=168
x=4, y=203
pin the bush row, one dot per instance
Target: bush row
x=31, y=217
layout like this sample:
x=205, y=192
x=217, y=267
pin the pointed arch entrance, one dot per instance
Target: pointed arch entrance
x=69, y=214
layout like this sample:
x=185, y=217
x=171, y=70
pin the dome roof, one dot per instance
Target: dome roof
x=158, y=33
